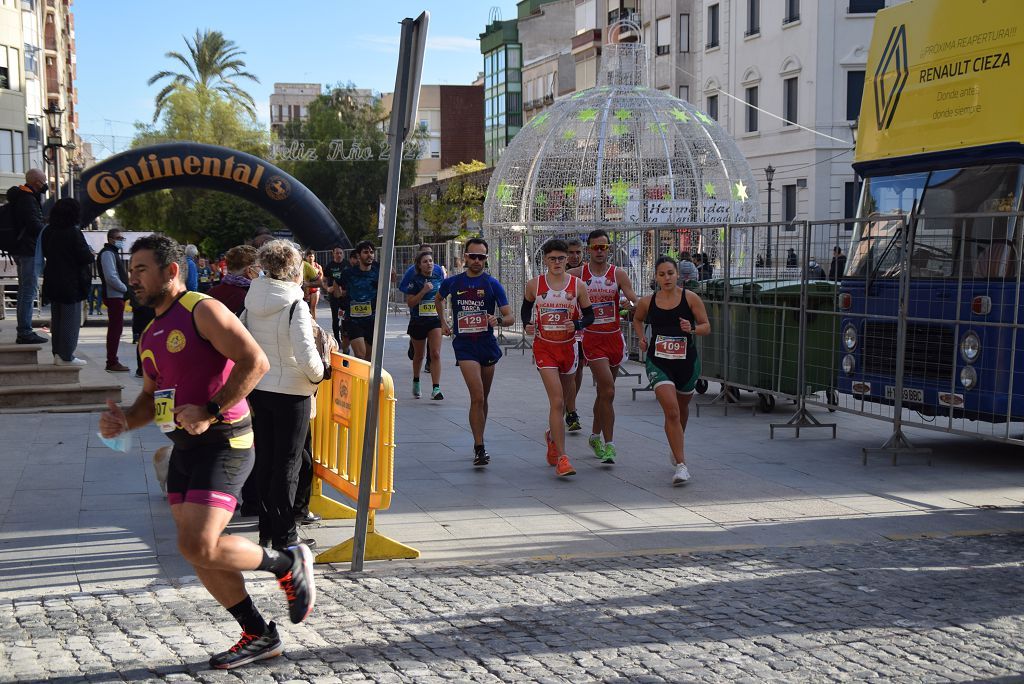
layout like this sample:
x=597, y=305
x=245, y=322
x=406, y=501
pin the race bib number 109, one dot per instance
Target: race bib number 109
x=673, y=348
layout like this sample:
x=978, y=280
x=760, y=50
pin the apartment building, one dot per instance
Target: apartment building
x=37, y=69
x=451, y=121
x=290, y=102
x=549, y=71
x=802, y=63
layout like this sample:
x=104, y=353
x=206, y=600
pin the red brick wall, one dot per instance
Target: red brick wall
x=462, y=124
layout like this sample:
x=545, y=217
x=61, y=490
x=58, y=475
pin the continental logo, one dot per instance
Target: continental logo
x=890, y=77
x=108, y=186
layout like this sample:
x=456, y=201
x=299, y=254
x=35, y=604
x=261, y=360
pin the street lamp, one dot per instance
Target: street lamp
x=54, y=142
x=769, y=174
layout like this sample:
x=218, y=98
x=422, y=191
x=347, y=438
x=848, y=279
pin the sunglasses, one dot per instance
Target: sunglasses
x=477, y=257
x=599, y=248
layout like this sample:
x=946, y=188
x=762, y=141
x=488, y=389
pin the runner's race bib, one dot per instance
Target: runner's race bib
x=556, y=320
x=361, y=309
x=472, y=322
x=428, y=308
x=672, y=348
x=163, y=402
x=604, y=312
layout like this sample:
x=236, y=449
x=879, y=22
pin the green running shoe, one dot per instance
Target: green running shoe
x=416, y=389
x=597, y=445
x=608, y=454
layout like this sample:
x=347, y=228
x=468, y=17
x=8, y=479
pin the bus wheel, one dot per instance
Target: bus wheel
x=766, y=403
x=702, y=386
x=832, y=397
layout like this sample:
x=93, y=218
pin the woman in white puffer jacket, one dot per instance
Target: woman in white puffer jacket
x=276, y=317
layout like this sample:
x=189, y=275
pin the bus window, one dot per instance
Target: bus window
x=876, y=249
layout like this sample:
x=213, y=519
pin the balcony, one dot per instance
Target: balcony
x=549, y=98
x=582, y=42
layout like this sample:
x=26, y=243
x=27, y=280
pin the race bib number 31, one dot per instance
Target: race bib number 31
x=361, y=309
x=673, y=348
x=163, y=402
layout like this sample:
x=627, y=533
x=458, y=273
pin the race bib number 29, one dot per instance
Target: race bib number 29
x=673, y=348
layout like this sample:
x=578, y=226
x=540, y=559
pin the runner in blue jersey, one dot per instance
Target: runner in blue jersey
x=410, y=273
x=475, y=298
x=360, y=282
x=424, y=324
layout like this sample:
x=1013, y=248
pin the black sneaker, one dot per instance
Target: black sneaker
x=572, y=421
x=299, y=584
x=481, y=457
x=309, y=518
x=31, y=338
x=249, y=649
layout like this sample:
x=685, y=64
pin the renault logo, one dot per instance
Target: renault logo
x=890, y=76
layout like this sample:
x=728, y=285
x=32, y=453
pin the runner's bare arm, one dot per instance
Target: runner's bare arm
x=506, y=315
x=225, y=332
x=141, y=412
x=639, y=316
x=414, y=299
x=626, y=285
x=581, y=294
x=700, y=314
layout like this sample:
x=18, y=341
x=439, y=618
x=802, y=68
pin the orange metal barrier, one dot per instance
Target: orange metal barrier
x=337, y=440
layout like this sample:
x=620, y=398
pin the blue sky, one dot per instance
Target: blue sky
x=121, y=43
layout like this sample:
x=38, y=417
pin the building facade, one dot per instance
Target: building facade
x=503, y=86
x=290, y=102
x=451, y=123
x=37, y=70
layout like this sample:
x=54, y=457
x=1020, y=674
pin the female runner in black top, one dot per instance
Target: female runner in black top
x=675, y=316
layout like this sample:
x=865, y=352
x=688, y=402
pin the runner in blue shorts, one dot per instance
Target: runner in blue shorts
x=475, y=298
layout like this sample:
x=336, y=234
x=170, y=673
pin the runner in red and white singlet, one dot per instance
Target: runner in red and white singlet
x=550, y=310
x=604, y=347
x=572, y=418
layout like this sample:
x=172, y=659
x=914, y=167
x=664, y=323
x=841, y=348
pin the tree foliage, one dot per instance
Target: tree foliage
x=350, y=180
x=461, y=203
x=212, y=67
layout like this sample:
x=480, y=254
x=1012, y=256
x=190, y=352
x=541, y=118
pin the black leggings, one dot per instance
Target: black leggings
x=279, y=444
x=337, y=307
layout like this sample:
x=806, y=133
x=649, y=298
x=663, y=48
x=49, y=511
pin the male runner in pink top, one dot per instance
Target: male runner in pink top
x=199, y=365
x=554, y=297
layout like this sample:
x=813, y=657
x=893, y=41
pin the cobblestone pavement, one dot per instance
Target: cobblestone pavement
x=944, y=609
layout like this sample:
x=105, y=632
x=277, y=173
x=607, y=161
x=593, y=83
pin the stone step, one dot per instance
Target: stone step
x=57, y=395
x=24, y=375
x=71, y=408
x=19, y=354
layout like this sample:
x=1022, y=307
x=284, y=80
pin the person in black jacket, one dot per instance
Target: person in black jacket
x=67, y=278
x=26, y=202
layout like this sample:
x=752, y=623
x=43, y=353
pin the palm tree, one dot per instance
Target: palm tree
x=213, y=65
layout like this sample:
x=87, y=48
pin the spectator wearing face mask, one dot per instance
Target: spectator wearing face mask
x=114, y=284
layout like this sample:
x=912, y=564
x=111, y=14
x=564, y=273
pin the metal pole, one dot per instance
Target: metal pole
x=56, y=171
x=768, y=256
x=396, y=136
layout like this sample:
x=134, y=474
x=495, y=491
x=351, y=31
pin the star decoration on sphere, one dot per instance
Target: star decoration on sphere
x=504, y=192
x=704, y=117
x=709, y=189
x=739, y=191
x=620, y=129
x=680, y=116
x=657, y=127
x=623, y=114
x=541, y=199
x=540, y=119
x=619, y=192
x=569, y=189
x=582, y=93
x=587, y=114
x=568, y=134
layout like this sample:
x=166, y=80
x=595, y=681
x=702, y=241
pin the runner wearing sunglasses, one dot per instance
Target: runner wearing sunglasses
x=475, y=295
x=554, y=298
x=604, y=347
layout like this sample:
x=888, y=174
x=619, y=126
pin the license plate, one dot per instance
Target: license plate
x=909, y=394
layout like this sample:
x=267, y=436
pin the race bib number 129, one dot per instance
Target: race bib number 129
x=472, y=322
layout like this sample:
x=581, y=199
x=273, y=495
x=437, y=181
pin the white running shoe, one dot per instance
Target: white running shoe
x=57, y=361
x=682, y=475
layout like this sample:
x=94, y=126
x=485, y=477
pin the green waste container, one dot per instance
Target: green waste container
x=764, y=336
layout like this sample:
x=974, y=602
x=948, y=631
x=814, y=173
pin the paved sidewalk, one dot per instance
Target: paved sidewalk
x=913, y=611
x=75, y=516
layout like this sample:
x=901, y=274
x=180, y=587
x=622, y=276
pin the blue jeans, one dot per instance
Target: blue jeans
x=28, y=286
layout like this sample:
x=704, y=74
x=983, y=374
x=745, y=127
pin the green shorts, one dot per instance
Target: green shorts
x=682, y=374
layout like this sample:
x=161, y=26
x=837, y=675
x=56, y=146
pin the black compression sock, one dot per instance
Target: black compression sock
x=478, y=448
x=277, y=562
x=248, y=616
x=415, y=379
x=437, y=387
